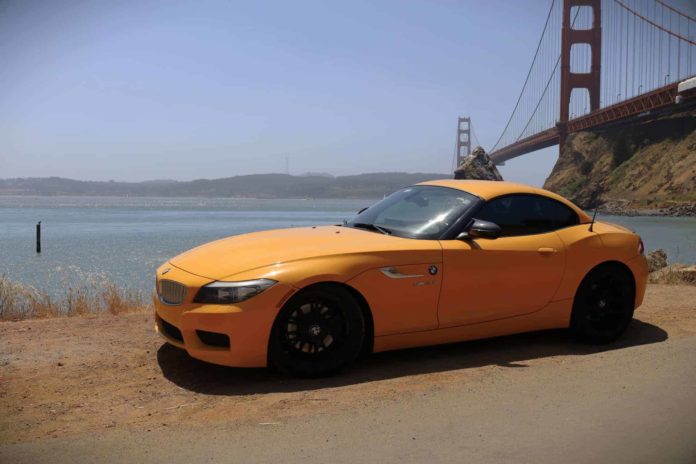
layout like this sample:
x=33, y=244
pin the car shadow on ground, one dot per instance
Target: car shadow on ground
x=510, y=351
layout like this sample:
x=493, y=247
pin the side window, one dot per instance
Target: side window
x=527, y=214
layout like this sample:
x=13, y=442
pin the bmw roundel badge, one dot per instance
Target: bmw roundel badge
x=432, y=269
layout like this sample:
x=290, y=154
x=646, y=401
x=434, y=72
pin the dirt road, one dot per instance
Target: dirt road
x=105, y=389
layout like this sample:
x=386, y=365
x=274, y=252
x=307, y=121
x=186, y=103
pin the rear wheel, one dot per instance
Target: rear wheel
x=317, y=332
x=604, y=304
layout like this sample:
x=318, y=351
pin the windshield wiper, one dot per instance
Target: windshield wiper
x=368, y=226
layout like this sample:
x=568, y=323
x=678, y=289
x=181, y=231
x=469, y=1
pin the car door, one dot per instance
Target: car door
x=403, y=297
x=515, y=274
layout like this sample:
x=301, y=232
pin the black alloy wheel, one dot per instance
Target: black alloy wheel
x=603, y=305
x=317, y=332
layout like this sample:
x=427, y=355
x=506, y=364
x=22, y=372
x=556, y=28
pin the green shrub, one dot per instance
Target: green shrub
x=569, y=189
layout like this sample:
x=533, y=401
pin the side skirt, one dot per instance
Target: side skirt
x=555, y=315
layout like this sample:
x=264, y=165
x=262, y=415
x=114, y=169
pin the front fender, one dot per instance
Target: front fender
x=337, y=268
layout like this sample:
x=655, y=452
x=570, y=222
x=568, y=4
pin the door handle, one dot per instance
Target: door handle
x=547, y=251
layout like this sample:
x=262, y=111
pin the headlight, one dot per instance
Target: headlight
x=231, y=292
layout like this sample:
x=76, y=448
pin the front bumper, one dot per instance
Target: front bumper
x=247, y=324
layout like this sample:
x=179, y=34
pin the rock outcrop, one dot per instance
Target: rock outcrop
x=657, y=259
x=477, y=166
x=661, y=272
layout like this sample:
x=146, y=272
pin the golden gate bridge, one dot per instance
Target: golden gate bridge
x=598, y=63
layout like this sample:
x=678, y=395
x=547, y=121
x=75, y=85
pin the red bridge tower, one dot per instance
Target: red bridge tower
x=569, y=79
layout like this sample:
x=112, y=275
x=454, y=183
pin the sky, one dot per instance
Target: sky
x=136, y=90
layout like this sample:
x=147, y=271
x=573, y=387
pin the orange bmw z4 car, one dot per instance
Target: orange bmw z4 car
x=438, y=262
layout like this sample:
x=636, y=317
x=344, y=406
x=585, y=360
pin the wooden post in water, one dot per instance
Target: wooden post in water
x=38, y=237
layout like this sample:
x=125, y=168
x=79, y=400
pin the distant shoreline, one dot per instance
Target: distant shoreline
x=369, y=187
x=257, y=186
x=183, y=197
x=665, y=209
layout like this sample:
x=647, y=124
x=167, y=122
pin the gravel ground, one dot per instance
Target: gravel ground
x=106, y=389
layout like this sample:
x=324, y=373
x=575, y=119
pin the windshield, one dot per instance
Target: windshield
x=421, y=211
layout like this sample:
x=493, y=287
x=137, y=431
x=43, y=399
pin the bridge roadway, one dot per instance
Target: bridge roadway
x=659, y=99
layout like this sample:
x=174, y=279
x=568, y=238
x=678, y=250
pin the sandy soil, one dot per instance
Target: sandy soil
x=66, y=378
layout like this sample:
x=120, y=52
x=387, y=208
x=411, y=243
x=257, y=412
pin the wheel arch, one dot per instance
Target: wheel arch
x=588, y=321
x=618, y=265
x=368, y=343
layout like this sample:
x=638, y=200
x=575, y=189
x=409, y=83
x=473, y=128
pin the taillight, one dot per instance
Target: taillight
x=641, y=247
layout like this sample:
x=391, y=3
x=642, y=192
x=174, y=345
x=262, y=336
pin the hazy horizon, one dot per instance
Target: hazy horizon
x=302, y=174
x=136, y=90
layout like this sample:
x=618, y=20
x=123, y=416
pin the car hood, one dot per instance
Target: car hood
x=226, y=257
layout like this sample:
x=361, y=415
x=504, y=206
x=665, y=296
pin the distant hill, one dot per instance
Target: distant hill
x=373, y=185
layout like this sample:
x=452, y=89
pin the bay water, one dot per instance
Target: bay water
x=126, y=239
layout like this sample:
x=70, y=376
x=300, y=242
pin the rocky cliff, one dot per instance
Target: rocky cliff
x=645, y=168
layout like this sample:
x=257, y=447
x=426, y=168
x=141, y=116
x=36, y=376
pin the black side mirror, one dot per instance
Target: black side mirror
x=481, y=229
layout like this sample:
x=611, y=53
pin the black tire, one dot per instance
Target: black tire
x=317, y=332
x=603, y=305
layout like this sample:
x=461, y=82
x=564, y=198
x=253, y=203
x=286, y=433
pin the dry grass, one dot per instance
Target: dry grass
x=99, y=295
x=674, y=274
x=19, y=301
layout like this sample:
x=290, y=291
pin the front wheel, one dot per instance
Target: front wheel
x=317, y=332
x=603, y=305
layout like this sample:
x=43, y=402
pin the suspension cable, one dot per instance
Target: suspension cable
x=529, y=73
x=638, y=15
x=680, y=13
x=548, y=82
